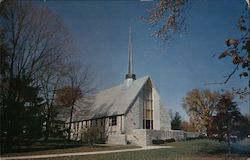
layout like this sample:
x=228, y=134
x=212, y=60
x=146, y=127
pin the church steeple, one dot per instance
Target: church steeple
x=130, y=74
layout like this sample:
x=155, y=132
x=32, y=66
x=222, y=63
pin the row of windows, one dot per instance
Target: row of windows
x=112, y=122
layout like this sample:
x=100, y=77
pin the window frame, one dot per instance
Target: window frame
x=113, y=121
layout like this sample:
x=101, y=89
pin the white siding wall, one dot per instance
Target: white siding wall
x=117, y=129
x=77, y=127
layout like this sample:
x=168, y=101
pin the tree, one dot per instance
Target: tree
x=67, y=97
x=176, y=121
x=78, y=89
x=166, y=17
x=32, y=39
x=201, y=105
x=65, y=94
x=35, y=37
x=50, y=80
x=23, y=117
x=238, y=49
x=188, y=127
x=30, y=120
x=229, y=120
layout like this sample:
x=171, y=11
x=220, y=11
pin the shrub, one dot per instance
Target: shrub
x=91, y=135
x=202, y=137
x=157, y=141
x=193, y=138
x=170, y=140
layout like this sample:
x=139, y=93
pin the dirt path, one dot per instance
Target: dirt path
x=83, y=153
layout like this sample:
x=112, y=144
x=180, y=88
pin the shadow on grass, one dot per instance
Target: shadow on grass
x=215, y=147
x=42, y=145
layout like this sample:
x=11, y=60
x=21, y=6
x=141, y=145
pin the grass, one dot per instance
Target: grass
x=60, y=146
x=71, y=150
x=211, y=149
x=186, y=150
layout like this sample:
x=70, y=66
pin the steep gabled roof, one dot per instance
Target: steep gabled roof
x=113, y=101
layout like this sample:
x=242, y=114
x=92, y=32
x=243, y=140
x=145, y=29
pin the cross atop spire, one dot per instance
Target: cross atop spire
x=130, y=74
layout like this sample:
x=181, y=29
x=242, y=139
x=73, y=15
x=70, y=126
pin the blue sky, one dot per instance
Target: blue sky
x=100, y=36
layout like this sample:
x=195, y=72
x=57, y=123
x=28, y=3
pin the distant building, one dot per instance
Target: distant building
x=131, y=112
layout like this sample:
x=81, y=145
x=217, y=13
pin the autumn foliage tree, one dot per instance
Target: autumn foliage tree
x=188, y=127
x=77, y=86
x=238, y=50
x=200, y=106
x=66, y=94
x=166, y=17
x=216, y=115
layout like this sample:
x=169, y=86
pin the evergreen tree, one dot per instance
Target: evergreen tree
x=176, y=121
x=22, y=114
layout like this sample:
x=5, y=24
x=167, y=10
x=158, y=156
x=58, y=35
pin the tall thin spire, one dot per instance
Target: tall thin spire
x=130, y=57
x=130, y=53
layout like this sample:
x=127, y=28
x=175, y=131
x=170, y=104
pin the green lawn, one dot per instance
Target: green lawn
x=59, y=146
x=188, y=150
x=74, y=149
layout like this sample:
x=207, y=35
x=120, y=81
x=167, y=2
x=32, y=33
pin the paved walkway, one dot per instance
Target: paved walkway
x=83, y=153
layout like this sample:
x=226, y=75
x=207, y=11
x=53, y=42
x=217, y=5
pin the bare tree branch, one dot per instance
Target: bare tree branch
x=228, y=77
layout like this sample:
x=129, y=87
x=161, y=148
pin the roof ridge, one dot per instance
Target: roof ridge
x=120, y=85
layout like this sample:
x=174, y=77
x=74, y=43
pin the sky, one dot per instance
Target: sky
x=100, y=35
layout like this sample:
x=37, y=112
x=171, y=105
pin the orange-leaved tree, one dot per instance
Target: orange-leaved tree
x=200, y=106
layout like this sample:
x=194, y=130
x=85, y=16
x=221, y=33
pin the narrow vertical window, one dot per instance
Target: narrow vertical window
x=147, y=107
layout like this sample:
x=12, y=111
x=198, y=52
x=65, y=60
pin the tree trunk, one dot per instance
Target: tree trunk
x=47, y=125
x=229, y=146
x=228, y=142
x=70, y=121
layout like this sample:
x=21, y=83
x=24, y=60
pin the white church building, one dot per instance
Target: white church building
x=131, y=112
